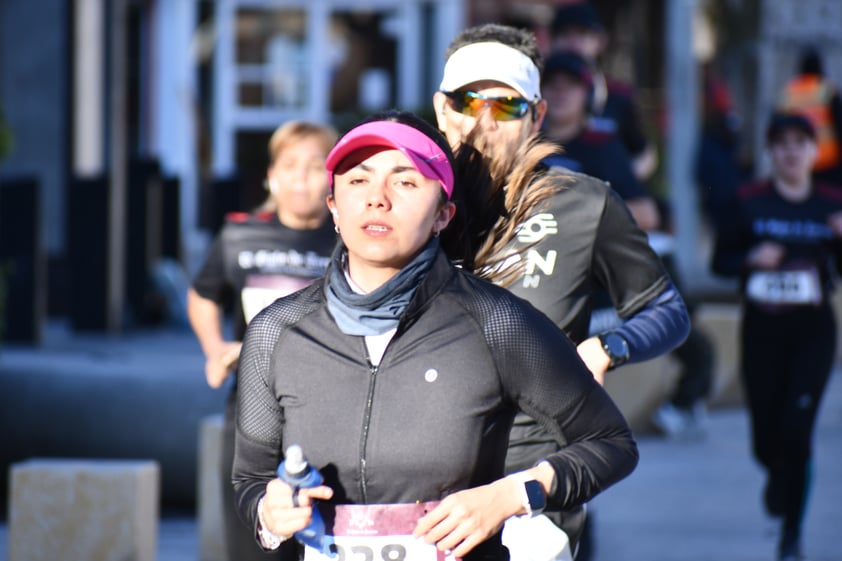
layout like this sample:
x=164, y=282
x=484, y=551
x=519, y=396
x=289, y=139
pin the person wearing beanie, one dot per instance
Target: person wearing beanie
x=566, y=84
x=813, y=95
x=576, y=26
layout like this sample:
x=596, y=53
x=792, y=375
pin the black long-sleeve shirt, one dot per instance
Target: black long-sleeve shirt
x=433, y=418
x=758, y=213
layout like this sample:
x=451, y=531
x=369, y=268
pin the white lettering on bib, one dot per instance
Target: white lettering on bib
x=784, y=287
x=262, y=290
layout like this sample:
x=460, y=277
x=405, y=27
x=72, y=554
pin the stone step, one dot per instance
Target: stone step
x=84, y=510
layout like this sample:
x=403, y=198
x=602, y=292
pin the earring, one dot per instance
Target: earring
x=436, y=233
x=336, y=228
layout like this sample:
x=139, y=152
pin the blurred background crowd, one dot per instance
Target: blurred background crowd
x=130, y=128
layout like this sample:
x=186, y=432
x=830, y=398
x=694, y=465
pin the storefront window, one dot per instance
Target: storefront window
x=363, y=52
x=271, y=55
x=324, y=60
x=273, y=60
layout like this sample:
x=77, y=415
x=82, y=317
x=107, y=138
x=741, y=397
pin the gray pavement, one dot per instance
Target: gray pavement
x=693, y=501
x=141, y=395
x=701, y=501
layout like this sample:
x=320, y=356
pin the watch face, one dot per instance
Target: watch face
x=616, y=347
x=537, y=499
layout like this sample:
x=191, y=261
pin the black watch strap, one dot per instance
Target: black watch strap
x=615, y=347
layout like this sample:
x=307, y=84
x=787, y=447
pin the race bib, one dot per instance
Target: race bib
x=262, y=290
x=785, y=287
x=375, y=533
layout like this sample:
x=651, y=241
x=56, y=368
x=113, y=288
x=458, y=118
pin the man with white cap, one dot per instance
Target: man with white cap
x=581, y=237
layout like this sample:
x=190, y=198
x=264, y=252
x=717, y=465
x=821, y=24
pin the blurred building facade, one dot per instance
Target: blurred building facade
x=115, y=104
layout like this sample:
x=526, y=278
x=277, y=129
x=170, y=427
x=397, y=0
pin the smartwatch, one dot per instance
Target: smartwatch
x=536, y=500
x=533, y=496
x=615, y=347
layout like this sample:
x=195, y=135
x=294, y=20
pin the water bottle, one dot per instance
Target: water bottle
x=299, y=474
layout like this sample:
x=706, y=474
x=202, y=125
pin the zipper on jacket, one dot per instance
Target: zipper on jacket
x=372, y=371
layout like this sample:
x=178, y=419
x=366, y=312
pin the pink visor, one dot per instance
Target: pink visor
x=427, y=157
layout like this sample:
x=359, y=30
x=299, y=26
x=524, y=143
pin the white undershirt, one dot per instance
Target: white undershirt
x=376, y=344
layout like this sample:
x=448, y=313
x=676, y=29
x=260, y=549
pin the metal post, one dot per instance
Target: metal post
x=117, y=166
x=174, y=114
x=88, y=120
x=682, y=135
x=224, y=88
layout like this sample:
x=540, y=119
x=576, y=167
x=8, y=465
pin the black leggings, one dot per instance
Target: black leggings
x=786, y=361
x=696, y=354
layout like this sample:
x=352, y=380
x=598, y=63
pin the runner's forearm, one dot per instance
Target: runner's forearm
x=658, y=328
x=206, y=320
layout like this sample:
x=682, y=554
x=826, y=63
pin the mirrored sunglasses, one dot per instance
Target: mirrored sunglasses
x=501, y=108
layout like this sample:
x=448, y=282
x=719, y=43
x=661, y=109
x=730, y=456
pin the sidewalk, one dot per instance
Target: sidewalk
x=701, y=501
x=687, y=501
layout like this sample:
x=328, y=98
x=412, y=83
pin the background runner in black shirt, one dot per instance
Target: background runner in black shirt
x=255, y=259
x=588, y=146
x=783, y=239
x=576, y=26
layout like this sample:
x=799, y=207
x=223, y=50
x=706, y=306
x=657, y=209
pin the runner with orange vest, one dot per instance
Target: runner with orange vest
x=817, y=98
x=810, y=95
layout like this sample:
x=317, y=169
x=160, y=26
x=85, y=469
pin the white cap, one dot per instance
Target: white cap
x=492, y=61
x=295, y=463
